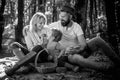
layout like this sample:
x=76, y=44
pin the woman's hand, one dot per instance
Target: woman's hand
x=44, y=39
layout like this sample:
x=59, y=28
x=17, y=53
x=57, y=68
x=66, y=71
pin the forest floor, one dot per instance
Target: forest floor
x=27, y=73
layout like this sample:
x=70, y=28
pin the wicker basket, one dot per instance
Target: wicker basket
x=46, y=67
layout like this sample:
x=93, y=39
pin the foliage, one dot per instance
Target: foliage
x=90, y=14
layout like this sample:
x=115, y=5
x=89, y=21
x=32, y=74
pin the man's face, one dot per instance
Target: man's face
x=64, y=18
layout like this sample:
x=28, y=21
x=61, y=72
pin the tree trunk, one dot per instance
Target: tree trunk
x=118, y=17
x=80, y=10
x=19, y=27
x=3, y=2
x=54, y=12
x=112, y=27
x=39, y=5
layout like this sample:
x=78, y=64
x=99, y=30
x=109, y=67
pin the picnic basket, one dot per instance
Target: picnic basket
x=46, y=67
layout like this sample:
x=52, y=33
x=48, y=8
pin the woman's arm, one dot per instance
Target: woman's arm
x=28, y=42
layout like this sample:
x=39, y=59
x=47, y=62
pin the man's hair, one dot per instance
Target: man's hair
x=68, y=9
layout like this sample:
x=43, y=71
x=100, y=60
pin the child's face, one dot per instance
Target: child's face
x=40, y=24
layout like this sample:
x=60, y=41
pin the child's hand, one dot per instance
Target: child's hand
x=3, y=74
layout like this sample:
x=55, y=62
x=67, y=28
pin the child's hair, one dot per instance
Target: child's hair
x=57, y=34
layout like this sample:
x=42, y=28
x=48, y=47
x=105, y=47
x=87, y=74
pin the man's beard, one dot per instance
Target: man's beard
x=65, y=23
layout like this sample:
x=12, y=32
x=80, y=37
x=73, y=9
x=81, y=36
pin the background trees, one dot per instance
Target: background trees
x=95, y=16
x=2, y=7
x=113, y=21
x=19, y=26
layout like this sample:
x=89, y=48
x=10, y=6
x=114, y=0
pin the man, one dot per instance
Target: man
x=74, y=43
x=72, y=32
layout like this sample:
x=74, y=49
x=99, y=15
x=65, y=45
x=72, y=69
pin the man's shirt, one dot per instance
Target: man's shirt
x=70, y=35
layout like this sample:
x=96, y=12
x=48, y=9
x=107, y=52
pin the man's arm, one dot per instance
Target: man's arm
x=82, y=43
x=79, y=48
x=80, y=36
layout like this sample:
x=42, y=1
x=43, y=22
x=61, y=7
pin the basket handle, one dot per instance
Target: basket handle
x=36, y=58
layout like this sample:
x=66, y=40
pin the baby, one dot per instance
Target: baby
x=53, y=45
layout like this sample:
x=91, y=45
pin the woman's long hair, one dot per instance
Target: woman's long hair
x=25, y=30
x=35, y=19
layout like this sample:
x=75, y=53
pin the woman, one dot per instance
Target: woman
x=37, y=33
x=36, y=37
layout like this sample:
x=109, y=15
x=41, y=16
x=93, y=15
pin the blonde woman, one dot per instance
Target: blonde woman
x=37, y=33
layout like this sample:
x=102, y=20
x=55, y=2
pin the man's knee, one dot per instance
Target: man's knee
x=96, y=40
x=95, y=43
x=99, y=40
x=92, y=43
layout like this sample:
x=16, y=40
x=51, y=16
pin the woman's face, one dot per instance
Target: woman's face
x=40, y=23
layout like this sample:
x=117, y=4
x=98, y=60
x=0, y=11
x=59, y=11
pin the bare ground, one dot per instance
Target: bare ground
x=28, y=73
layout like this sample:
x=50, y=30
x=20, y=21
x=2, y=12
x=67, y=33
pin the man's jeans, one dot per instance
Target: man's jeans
x=94, y=44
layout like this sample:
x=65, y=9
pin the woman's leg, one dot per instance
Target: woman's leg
x=98, y=42
x=15, y=45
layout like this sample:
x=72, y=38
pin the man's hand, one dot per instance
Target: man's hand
x=72, y=50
